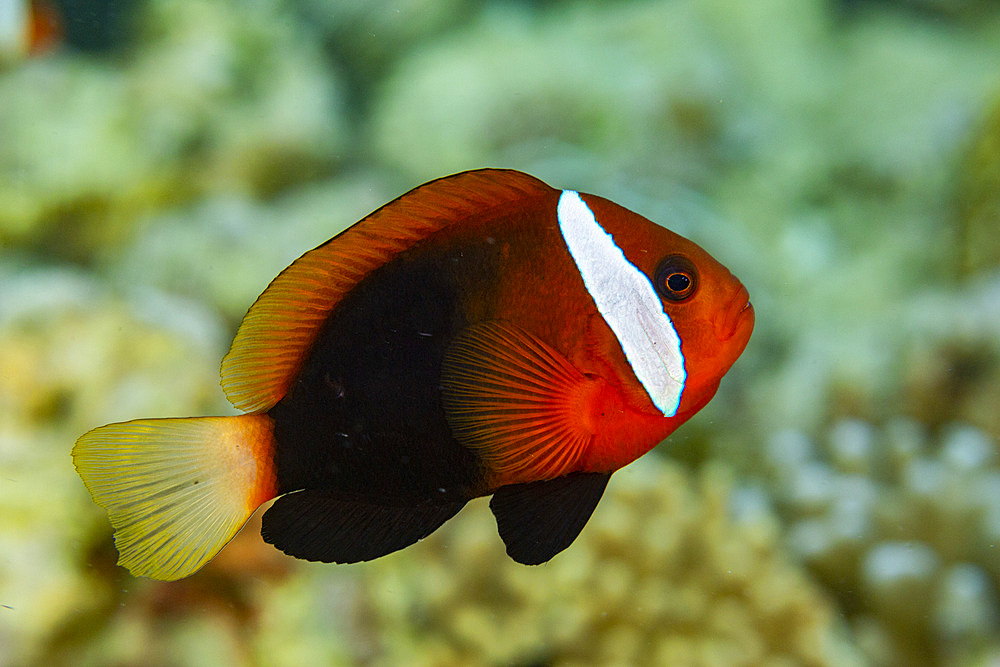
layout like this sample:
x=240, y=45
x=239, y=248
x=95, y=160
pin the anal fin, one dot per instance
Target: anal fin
x=320, y=525
x=537, y=520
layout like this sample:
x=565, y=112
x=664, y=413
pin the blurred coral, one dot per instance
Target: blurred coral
x=72, y=357
x=837, y=503
x=902, y=528
x=663, y=574
x=978, y=198
x=216, y=99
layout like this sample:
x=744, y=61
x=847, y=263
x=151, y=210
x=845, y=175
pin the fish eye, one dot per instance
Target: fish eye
x=676, y=278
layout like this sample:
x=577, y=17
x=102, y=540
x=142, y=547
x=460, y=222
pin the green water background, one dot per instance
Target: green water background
x=839, y=501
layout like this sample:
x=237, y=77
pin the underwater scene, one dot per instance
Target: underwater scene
x=838, y=501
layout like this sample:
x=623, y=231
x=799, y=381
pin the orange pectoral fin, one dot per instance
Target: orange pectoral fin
x=517, y=402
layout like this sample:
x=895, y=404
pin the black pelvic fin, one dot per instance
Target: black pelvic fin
x=319, y=525
x=537, y=520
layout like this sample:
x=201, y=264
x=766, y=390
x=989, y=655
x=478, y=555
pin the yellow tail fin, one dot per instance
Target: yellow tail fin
x=177, y=490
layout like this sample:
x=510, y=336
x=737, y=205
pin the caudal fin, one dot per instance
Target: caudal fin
x=177, y=490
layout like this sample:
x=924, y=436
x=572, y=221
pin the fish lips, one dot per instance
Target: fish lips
x=736, y=318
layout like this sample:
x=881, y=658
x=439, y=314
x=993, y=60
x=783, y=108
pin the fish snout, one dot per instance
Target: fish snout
x=737, y=315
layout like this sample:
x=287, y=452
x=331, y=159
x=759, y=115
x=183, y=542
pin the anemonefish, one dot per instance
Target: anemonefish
x=483, y=334
x=28, y=27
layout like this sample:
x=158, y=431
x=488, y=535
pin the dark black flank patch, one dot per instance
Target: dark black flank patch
x=364, y=416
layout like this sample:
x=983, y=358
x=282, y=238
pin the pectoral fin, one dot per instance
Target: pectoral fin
x=517, y=402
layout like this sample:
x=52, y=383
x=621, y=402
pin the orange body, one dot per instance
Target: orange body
x=482, y=334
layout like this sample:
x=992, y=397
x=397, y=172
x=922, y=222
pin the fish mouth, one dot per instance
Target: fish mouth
x=737, y=317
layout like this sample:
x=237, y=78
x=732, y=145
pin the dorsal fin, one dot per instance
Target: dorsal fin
x=277, y=331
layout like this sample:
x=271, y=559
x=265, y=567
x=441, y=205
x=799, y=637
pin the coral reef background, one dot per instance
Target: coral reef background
x=837, y=504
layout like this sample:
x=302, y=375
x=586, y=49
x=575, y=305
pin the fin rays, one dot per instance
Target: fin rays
x=274, y=337
x=515, y=401
x=177, y=490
